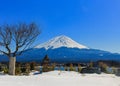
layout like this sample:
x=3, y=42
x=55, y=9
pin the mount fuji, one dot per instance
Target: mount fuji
x=61, y=41
x=63, y=49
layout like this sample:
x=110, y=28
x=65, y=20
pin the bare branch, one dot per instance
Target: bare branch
x=4, y=53
x=21, y=36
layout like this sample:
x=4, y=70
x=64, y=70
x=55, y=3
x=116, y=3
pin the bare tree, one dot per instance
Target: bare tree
x=14, y=39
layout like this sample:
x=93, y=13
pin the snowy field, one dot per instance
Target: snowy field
x=55, y=78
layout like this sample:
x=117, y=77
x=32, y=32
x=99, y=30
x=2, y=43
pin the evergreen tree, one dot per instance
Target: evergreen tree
x=45, y=64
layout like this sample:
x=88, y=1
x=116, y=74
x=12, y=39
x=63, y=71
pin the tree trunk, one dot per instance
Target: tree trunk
x=12, y=62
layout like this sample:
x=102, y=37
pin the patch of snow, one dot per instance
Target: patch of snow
x=61, y=78
x=61, y=41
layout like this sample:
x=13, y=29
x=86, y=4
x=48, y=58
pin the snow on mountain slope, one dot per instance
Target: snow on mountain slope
x=61, y=41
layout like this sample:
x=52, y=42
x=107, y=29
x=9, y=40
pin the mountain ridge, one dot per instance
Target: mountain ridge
x=64, y=53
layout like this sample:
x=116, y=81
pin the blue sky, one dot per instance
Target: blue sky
x=94, y=23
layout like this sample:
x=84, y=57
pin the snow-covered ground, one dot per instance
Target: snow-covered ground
x=57, y=78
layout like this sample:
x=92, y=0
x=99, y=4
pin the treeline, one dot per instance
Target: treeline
x=21, y=68
x=46, y=66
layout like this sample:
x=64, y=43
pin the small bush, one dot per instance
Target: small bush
x=5, y=70
x=91, y=64
x=27, y=68
x=79, y=68
x=72, y=67
x=66, y=68
x=46, y=68
x=103, y=67
x=53, y=66
x=32, y=66
x=23, y=69
x=18, y=69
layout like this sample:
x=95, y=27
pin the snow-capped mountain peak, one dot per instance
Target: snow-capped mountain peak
x=61, y=41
